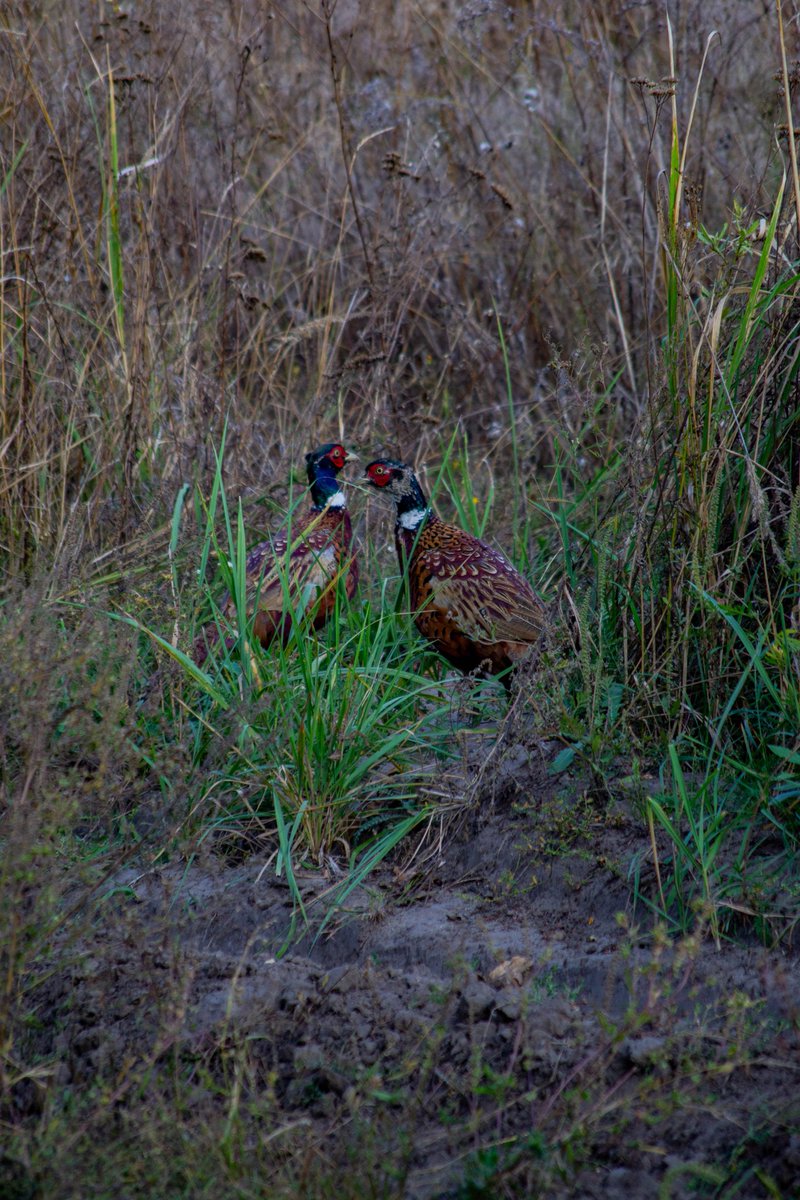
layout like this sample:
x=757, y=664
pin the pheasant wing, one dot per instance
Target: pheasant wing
x=301, y=568
x=304, y=568
x=484, y=594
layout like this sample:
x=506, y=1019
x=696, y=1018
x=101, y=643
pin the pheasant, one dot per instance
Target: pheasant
x=282, y=575
x=468, y=600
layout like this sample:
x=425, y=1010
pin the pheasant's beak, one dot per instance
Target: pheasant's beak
x=350, y=459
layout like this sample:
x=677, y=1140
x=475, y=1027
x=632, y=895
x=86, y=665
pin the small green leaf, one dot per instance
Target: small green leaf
x=562, y=760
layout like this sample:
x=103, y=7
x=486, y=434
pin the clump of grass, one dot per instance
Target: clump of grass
x=340, y=723
x=321, y=745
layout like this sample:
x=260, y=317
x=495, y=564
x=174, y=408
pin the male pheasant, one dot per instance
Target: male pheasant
x=300, y=566
x=468, y=600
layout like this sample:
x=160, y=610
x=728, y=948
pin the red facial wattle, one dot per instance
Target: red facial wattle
x=379, y=476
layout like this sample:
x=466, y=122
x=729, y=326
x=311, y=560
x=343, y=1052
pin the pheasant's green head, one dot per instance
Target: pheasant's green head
x=323, y=465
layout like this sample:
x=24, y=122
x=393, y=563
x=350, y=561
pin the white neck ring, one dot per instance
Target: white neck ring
x=412, y=518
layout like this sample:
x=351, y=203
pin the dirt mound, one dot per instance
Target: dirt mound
x=501, y=1024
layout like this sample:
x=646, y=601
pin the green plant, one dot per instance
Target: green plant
x=334, y=735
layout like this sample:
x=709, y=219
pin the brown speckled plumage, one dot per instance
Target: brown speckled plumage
x=469, y=601
x=304, y=562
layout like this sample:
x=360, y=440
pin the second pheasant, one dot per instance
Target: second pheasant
x=468, y=600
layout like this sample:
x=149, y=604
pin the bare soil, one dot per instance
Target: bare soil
x=498, y=1023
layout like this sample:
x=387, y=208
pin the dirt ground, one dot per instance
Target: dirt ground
x=494, y=1019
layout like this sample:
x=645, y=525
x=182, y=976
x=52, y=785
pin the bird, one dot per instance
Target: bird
x=302, y=564
x=468, y=600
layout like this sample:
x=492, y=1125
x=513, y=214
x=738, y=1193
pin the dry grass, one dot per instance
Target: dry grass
x=307, y=221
